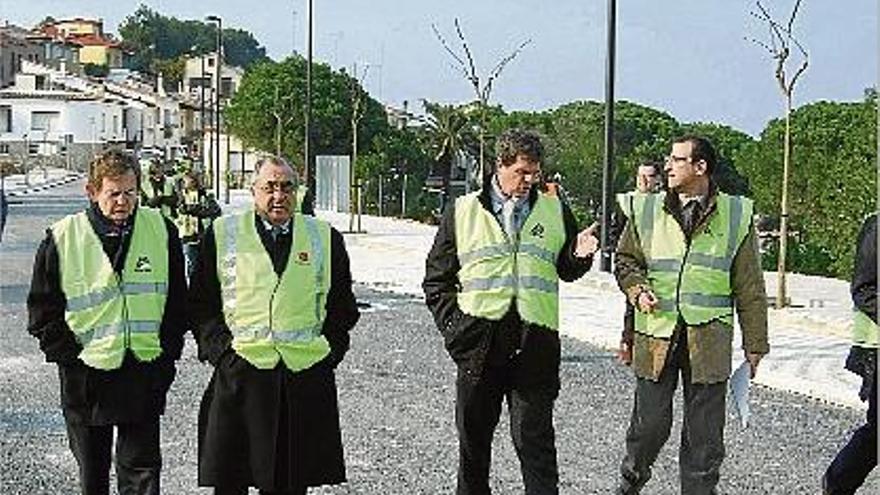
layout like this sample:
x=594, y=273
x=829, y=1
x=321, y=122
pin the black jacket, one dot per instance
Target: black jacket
x=863, y=288
x=133, y=392
x=469, y=339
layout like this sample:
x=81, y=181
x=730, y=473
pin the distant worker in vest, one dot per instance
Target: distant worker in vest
x=686, y=260
x=159, y=191
x=107, y=305
x=648, y=181
x=196, y=210
x=492, y=284
x=858, y=457
x=273, y=305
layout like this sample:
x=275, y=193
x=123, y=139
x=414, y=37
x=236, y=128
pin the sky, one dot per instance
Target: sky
x=691, y=58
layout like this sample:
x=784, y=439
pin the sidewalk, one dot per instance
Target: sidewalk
x=809, y=341
x=39, y=179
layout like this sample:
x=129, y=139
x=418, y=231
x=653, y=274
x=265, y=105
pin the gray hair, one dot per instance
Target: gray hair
x=277, y=161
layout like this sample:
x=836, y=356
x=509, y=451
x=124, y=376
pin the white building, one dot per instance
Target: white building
x=51, y=116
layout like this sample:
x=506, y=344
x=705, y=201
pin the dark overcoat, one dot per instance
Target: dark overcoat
x=272, y=429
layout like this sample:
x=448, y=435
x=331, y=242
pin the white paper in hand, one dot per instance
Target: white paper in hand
x=739, y=388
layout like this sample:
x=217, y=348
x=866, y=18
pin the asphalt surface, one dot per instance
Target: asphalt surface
x=396, y=391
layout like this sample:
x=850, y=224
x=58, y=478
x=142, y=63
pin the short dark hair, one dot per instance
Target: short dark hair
x=655, y=164
x=701, y=149
x=515, y=142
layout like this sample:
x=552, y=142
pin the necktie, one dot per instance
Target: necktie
x=276, y=232
x=508, y=217
x=691, y=215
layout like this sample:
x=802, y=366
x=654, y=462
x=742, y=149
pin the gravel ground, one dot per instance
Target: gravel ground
x=396, y=391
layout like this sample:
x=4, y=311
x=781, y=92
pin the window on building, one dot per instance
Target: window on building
x=4, y=149
x=33, y=149
x=116, y=124
x=44, y=121
x=199, y=82
x=227, y=87
x=210, y=61
x=5, y=118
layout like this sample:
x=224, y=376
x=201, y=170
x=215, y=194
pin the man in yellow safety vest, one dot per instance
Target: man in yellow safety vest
x=858, y=457
x=272, y=301
x=648, y=181
x=686, y=259
x=492, y=284
x=107, y=305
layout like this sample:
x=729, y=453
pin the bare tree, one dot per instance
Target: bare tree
x=780, y=44
x=482, y=86
x=358, y=107
x=282, y=112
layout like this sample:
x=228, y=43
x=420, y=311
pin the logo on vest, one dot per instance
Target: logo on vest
x=302, y=257
x=537, y=231
x=143, y=265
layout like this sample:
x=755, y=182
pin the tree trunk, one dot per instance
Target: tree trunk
x=783, y=217
x=351, y=173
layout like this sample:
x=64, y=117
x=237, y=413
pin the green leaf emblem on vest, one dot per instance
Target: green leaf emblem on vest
x=537, y=231
x=143, y=265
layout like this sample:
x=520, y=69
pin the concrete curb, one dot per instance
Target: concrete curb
x=67, y=179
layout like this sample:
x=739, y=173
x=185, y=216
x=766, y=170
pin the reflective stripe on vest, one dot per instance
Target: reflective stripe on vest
x=693, y=281
x=109, y=313
x=494, y=271
x=865, y=331
x=274, y=318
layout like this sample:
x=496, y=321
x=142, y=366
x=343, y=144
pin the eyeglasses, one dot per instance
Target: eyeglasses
x=269, y=187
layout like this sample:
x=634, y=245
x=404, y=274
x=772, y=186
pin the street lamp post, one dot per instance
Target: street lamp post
x=202, y=113
x=217, y=92
x=309, y=169
x=608, y=171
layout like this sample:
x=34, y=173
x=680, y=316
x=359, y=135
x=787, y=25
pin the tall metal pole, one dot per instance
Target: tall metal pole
x=608, y=170
x=202, y=114
x=293, y=48
x=307, y=147
x=216, y=102
x=219, y=97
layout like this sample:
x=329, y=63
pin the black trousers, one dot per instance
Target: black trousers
x=138, y=461
x=702, y=435
x=478, y=407
x=857, y=458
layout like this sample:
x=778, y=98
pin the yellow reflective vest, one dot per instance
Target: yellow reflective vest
x=496, y=270
x=865, y=331
x=689, y=280
x=150, y=192
x=109, y=313
x=274, y=318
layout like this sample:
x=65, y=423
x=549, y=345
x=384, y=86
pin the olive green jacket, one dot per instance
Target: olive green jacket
x=710, y=344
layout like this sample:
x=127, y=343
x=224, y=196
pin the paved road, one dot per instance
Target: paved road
x=396, y=389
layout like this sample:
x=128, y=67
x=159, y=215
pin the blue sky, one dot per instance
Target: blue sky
x=687, y=57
